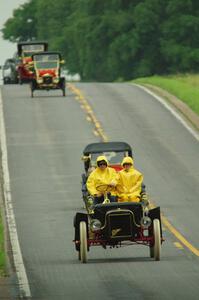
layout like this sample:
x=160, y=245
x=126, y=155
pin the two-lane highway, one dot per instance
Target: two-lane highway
x=45, y=137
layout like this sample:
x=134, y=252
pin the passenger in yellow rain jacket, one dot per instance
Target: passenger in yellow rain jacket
x=129, y=182
x=102, y=179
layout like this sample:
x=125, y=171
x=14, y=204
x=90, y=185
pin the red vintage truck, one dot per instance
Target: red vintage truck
x=25, y=52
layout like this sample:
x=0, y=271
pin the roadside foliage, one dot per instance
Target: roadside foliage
x=185, y=87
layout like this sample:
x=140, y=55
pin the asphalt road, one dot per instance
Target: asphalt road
x=45, y=139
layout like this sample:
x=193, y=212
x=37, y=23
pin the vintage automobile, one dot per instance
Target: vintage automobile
x=47, y=67
x=118, y=224
x=114, y=151
x=25, y=50
x=9, y=72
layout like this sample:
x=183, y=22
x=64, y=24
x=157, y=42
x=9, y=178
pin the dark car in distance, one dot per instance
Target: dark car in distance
x=9, y=72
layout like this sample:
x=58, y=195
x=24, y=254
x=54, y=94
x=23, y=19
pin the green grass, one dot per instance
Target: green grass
x=2, y=250
x=185, y=87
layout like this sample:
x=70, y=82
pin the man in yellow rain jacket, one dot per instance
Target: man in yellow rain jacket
x=129, y=182
x=103, y=179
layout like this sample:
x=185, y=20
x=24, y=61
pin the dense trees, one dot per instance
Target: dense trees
x=179, y=42
x=114, y=39
x=23, y=24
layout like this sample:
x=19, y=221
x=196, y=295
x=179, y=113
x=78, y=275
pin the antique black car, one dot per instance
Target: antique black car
x=47, y=67
x=9, y=72
x=118, y=224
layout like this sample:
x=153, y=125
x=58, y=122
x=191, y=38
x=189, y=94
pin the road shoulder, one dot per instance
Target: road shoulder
x=189, y=114
x=5, y=288
x=5, y=281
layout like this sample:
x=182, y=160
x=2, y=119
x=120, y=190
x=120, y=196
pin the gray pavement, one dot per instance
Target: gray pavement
x=45, y=138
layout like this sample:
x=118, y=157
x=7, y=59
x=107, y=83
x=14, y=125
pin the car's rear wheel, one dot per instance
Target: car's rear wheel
x=32, y=89
x=32, y=93
x=83, y=242
x=63, y=86
x=157, y=239
x=20, y=80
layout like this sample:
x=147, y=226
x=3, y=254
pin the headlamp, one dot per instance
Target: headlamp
x=55, y=80
x=145, y=222
x=95, y=225
x=40, y=80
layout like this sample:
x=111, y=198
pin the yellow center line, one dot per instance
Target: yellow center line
x=179, y=236
x=85, y=105
x=176, y=233
x=99, y=131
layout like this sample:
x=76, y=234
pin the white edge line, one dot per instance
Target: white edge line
x=24, y=288
x=172, y=111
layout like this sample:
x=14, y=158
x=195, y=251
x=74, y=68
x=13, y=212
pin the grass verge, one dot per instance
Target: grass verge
x=185, y=87
x=2, y=250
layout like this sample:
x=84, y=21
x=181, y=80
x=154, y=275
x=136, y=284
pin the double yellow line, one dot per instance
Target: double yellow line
x=99, y=132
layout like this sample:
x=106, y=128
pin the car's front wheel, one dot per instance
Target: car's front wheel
x=157, y=239
x=63, y=86
x=83, y=242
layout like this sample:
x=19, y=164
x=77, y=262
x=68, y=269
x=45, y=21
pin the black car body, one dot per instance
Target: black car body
x=47, y=70
x=118, y=224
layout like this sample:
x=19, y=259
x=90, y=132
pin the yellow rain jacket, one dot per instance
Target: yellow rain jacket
x=99, y=177
x=129, y=183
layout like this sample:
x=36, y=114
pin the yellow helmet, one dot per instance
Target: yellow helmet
x=127, y=160
x=101, y=158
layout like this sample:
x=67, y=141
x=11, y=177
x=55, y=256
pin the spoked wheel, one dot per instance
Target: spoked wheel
x=157, y=239
x=83, y=242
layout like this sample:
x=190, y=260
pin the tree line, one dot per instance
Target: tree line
x=106, y=40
